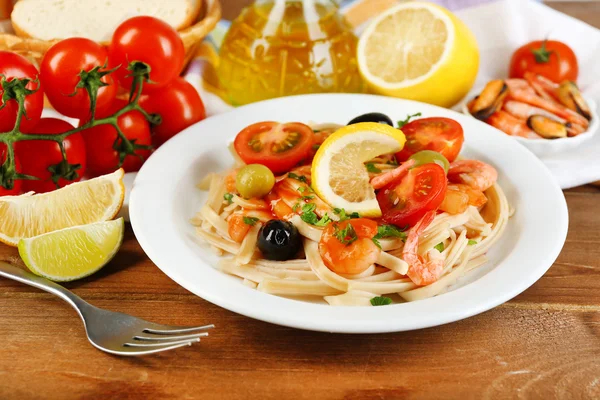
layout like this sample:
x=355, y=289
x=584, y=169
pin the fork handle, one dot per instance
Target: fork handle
x=20, y=275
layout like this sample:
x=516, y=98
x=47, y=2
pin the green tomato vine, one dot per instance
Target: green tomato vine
x=90, y=81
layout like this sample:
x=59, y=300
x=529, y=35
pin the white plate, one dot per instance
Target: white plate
x=548, y=147
x=164, y=198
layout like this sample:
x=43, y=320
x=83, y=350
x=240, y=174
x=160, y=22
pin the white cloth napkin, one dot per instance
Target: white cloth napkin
x=503, y=26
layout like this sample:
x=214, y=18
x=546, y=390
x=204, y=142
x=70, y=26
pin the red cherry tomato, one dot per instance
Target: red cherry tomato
x=39, y=156
x=277, y=146
x=443, y=135
x=406, y=201
x=102, y=157
x=60, y=70
x=549, y=58
x=17, y=184
x=179, y=106
x=151, y=41
x=14, y=66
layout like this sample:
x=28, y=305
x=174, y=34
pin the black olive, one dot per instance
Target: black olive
x=279, y=240
x=372, y=117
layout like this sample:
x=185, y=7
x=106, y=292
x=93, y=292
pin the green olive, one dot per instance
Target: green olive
x=254, y=180
x=428, y=157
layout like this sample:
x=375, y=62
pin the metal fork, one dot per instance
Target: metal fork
x=109, y=331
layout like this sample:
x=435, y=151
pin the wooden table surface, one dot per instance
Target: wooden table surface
x=543, y=344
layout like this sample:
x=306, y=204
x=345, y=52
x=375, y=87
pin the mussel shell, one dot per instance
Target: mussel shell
x=547, y=127
x=489, y=100
x=570, y=96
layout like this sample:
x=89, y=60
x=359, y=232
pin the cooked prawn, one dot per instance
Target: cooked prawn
x=388, y=177
x=295, y=192
x=511, y=125
x=528, y=95
x=460, y=196
x=239, y=222
x=347, y=247
x=474, y=173
x=422, y=270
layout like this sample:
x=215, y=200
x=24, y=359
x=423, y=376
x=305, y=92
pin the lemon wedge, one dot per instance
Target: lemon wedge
x=339, y=176
x=419, y=51
x=72, y=253
x=81, y=203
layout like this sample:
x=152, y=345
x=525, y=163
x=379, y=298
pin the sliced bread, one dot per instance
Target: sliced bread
x=95, y=20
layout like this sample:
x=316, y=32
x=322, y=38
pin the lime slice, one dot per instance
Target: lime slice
x=72, y=253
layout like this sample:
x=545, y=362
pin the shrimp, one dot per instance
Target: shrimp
x=422, y=270
x=476, y=174
x=239, y=223
x=296, y=191
x=527, y=94
x=347, y=247
x=386, y=178
x=511, y=125
x=460, y=196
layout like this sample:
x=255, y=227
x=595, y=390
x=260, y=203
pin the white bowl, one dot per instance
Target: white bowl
x=547, y=147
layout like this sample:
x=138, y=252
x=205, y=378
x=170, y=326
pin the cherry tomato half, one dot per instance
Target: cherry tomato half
x=422, y=189
x=179, y=106
x=39, y=156
x=17, y=184
x=151, y=41
x=102, y=158
x=443, y=135
x=549, y=58
x=14, y=66
x=277, y=146
x=60, y=70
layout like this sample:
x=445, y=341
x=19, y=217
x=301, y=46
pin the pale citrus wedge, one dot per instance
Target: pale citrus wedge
x=339, y=176
x=419, y=51
x=72, y=253
x=29, y=215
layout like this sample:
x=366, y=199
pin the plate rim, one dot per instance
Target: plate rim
x=345, y=325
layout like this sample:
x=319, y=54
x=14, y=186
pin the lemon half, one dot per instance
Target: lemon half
x=29, y=215
x=339, y=176
x=419, y=51
x=72, y=253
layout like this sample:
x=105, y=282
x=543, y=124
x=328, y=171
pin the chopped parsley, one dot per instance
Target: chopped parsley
x=303, y=189
x=323, y=221
x=228, y=197
x=309, y=216
x=315, y=147
x=346, y=235
x=439, y=247
x=384, y=231
x=376, y=242
x=407, y=120
x=296, y=207
x=472, y=242
x=306, y=198
x=381, y=301
x=340, y=212
x=300, y=178
x=372, y=168
x=250, y=221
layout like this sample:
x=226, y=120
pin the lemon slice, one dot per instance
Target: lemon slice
x=419, y=51
x=29, y=215
x=339, y=176
x=72, y=253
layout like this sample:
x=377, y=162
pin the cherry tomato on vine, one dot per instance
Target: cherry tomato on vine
x=60, y=74
x=14, y=66
x=43, y=158
x=101, y=140
x=149, y=40
x=278, y=147
x=405, y=201
x=17, y=184
x=549, y=58
x=179, y=106
x=443, y=135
